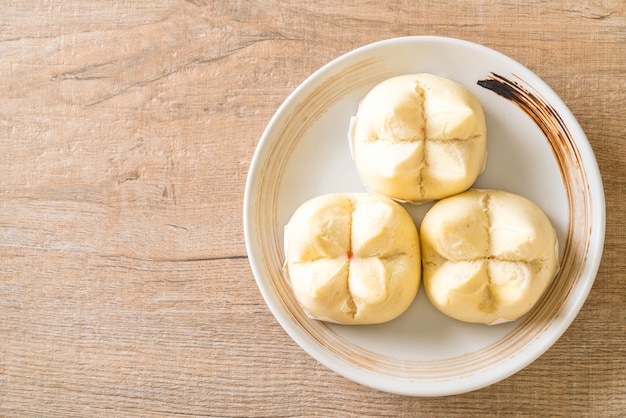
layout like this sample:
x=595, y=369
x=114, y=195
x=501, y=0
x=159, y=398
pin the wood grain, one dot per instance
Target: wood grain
x=126, y=132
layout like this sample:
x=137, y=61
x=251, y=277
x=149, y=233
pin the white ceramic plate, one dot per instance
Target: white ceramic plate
x=535, y=148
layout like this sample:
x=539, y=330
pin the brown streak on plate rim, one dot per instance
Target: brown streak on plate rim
x=575, y=180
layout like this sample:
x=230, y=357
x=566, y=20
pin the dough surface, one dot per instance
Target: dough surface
x=488, y=255
x=353, y=258
x=418, y=137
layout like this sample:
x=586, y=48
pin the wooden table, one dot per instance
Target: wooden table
x=126, y=133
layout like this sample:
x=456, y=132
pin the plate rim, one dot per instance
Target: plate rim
x=591, y=265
